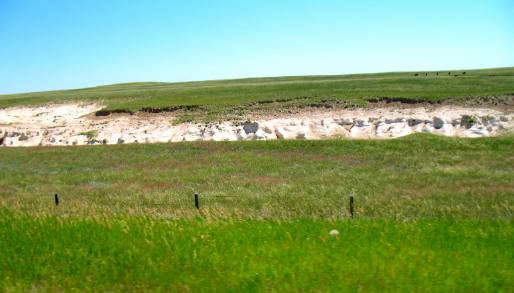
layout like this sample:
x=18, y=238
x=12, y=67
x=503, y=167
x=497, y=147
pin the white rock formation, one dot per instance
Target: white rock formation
x=75, y=124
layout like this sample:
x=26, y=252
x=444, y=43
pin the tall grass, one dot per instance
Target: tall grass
x=138, y=254
x=417, y=176
x=432, y=214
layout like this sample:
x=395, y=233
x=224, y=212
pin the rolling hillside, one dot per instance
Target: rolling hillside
x=223, y=94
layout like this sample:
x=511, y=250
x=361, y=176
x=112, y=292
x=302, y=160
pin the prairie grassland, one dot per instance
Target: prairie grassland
x=142, y=254
x=414, y=177
x=432, y=214
x=224, y=99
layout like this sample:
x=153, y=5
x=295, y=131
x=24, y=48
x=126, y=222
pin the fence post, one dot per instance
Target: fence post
x=56, y=199
x=351, y=207
x=197, y=204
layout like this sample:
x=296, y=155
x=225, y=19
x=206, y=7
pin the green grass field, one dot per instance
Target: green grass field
x=230, y=98
x=137, y=254
x=432, y=214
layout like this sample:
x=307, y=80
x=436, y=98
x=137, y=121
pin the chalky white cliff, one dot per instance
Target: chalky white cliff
x=76, y=124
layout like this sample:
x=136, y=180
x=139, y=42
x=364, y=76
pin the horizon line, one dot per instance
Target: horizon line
x=250, y=77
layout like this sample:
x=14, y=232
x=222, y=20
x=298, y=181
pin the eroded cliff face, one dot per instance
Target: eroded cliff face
x=76, y=124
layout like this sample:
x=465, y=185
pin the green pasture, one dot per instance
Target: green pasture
x=222, y=99
x=432, y=214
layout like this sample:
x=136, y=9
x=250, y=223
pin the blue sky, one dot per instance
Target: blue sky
x=48, y=45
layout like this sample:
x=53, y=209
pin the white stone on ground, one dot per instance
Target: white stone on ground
x=333, y=233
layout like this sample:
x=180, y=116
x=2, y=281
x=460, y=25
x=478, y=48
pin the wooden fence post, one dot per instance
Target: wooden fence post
x=351, y=207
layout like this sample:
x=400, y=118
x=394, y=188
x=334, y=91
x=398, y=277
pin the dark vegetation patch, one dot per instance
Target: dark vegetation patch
x=497, y=100
x=320, y=105
x=170, y=109
x=486, y=100
x=468, y=121
x=401, y=100
x=106, y=112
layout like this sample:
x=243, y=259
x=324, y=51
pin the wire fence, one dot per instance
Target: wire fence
x=197, y=201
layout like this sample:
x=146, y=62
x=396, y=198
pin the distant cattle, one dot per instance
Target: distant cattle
x=416, y=74
x=464, y=73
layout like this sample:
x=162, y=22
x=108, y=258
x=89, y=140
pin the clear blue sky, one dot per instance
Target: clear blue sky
x=69, y=43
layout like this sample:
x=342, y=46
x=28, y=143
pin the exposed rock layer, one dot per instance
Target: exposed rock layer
x=73, y=124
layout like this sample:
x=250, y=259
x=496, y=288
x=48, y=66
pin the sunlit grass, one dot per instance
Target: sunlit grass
x=233, y=98
x=142, y=253
x=417, y=176
x=432, y=214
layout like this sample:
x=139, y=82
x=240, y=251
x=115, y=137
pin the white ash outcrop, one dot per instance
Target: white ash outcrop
x=74, y=124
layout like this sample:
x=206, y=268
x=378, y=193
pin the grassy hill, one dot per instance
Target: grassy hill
x=220, y=94
x=430, y=212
